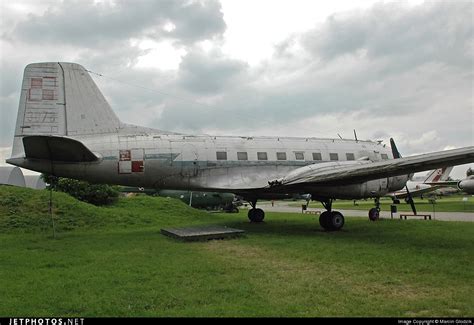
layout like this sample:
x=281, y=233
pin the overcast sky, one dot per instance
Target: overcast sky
x=253, y=67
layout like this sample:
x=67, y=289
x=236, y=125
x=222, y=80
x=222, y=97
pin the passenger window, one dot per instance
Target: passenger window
x=333, y=156
x=221, y=155
x=350, y=156
x=281, y=155
x=262, y=156
x=299, y=155
x=317, y=156
x=384, y=156
x=242, y=156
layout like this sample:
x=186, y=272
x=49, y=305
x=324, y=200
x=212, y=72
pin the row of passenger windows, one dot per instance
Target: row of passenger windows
x=222, y=155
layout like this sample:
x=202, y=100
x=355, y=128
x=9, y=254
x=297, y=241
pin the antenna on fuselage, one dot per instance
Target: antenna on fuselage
x=355, y=135
x=339, y=136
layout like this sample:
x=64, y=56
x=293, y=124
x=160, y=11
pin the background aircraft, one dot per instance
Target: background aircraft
x=65, y=127
x=466, y=185
x=200, y=200
x=422, y=185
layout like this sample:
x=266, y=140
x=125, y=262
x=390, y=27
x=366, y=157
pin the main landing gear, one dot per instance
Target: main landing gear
x=255, y=214
x=374, y=213
x=331, y=220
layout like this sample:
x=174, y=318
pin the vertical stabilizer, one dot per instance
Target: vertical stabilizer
x=87, y=111
x=437, y=175
x=61, y=99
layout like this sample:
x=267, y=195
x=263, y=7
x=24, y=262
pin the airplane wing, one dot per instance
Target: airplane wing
x=444, y=183
x=361, y=171
x=404, y=194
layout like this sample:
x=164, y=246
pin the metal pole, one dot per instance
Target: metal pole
x=51, y=210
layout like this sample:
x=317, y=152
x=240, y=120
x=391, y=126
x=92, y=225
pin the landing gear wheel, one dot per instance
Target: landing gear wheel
x=324, y=219
x=337, y=221
x=256, y=215
x=331, y=221
x=374, y=214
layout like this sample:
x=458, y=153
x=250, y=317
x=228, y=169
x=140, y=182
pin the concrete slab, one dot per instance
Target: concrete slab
x=202, y=233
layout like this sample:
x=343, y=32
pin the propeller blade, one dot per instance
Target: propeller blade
x=395, y=152
x=410, y=201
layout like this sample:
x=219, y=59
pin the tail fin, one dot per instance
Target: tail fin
x=60, y=99
x=437, y=175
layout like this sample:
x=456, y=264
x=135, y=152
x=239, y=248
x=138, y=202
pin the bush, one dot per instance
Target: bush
x=98, y=194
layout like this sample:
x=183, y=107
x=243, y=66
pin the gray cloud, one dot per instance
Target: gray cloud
x=209, y=73
x=410, y=66
x=98, y=35
x=387, y=71
x=92, y=25
x=437, y=31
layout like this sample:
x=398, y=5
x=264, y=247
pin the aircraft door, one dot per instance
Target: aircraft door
x=189, y=160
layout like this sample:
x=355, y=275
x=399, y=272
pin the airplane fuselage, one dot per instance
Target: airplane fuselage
x=217, y=163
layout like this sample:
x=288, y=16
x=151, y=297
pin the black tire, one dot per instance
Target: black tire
x=256, y=215
x=331, y=221
x=374, y=214
x=324, y=219
x=336, y=221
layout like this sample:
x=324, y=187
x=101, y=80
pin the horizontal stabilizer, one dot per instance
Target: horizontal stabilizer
x=57, y=149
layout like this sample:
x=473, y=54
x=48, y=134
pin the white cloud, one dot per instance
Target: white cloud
x=161, y=55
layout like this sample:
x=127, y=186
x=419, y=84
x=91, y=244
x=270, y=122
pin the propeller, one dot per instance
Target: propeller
x=396, y=155
x=410, y=200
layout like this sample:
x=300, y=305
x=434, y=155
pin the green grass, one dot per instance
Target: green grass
x=112, y=261
x=27, y=210
x=444, y=204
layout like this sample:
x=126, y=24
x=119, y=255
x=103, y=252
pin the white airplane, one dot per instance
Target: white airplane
x=418, y=187
x=65, y=127
x=465, y=185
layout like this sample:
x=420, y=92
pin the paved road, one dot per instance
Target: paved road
x=282, y=206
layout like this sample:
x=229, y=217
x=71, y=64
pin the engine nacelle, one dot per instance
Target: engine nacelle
x=396, y=183
x=467, y=185
x=373, y=188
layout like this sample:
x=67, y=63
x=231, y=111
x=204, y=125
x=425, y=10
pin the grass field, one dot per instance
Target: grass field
x=113, y=261
x=453, y=203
